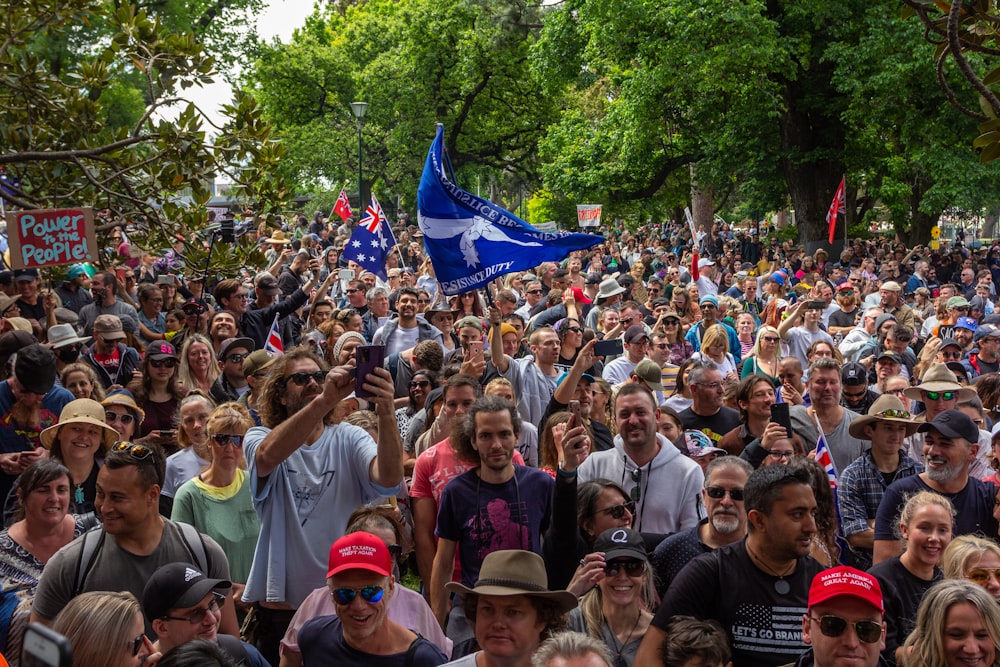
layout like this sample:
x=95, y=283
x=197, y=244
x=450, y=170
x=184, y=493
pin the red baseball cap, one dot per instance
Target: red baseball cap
x=360, y=551
x=846, y=581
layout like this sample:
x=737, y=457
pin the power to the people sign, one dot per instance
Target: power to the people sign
x=51, y=237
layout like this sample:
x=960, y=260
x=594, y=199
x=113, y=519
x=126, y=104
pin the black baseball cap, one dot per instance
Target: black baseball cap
x=853, y=374
x=953, y=424
x=177, y=586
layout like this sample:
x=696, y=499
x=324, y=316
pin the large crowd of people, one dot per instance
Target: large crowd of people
x=610, y=459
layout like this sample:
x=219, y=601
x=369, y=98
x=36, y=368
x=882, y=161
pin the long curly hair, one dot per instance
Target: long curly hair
x=272, y=411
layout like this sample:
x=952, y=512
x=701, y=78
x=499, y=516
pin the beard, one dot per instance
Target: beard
x=945, y=474
x=725, y=523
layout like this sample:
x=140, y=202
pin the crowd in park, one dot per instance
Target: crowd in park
x=652, y=452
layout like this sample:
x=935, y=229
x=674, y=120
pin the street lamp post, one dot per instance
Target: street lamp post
x=359, y=109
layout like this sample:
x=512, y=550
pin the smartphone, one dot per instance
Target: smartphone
x=346, y=274
x=780, y=415
x=44, y=647
x=574, y=409
x=369, y=357
x=120, y=275
x=475, y=348
x=166, y=434
x=816, y=305
x=607, y=348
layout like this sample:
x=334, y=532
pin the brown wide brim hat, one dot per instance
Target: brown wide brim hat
x=876, y=413
x=515, y=572
x=81, y=411
x=939, y=378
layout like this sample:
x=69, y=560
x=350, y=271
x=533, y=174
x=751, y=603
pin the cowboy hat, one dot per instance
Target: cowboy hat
x=886, y=408
x=515, y=572
x=938, y=378
x=81, y=411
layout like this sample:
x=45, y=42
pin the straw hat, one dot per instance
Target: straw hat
x=278, y=237
x=886, y=403
x=81, y=411
x=124, y=398
x=939, y=378
x=515, y=572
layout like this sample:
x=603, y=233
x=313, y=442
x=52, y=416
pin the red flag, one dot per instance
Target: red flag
x=342, y=207
x=838, y=204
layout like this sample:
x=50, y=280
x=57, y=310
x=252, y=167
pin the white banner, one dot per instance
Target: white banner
x=588, y=215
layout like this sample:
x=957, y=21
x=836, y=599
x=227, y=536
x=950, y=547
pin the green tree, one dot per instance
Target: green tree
x=464, y=64
x=81, y=135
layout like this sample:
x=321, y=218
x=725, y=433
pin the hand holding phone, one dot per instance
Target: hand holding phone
x=607, y=348
x=780, y=415
x=369, y=357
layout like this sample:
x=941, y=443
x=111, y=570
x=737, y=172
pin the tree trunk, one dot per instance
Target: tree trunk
x=702, y=204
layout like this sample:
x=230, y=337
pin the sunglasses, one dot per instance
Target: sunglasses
x=575, y=329
x=137, y=452
x=351, y=291
x=670, y=322
x=115, y=417
x=198, y=615
x=231, y=439
x=833, y=626
x=425, y=301
x=633, y=567
x=618, y=511
x=981, y=575
x=951, y=355
x=136, y=644
x=770, y=339
x=534, y=291
x=345, y=596
x=846, y=292
x=941, y=395
x=237, y=358
x=302, y=378
x=661, y=346
x=160, y=363
x=718, y=493
x=423, y=384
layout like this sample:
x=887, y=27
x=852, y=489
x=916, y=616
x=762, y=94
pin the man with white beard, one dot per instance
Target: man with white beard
x=722, y=498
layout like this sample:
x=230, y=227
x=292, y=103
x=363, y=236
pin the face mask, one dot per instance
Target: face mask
x=68, y=355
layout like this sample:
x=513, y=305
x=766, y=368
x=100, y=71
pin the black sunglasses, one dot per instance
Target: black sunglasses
x=223, y=439
x=237, y=358
x=632, y=566
x=419, y=383
x=302, y=378
x=833, y=626
x=618, y=511
x=717, y=492
x=160, y=363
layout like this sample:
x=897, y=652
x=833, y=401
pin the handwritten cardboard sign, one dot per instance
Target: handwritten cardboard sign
x=51, y=237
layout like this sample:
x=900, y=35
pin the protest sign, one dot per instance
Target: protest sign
x=588, y=215
x=51, y=237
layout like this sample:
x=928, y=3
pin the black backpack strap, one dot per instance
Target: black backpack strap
x=195, y=544
x=234, y=647
x=89, y=547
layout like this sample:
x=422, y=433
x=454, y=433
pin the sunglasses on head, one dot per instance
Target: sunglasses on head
x=345, y=596
x=302, y=378
x=618, y=511
x=137, y=452
x=160, y=363
x=632, y=566
x=231, y=439
x=833, y=626
x=718, y=492
x=114, y=416
x=941, y=395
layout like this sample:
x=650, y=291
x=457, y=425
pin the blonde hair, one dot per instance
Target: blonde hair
x=98, y=625
x=500, y=382
x=925, y=645
x=184, y=375
x=923, y=499
x=229, y=417
x=715, y=335
x=963, y=549
x=763, y=331
x=97, y=389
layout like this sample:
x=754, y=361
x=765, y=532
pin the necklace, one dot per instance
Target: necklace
x=619, y=648
x=781, y=587
x=78, y=494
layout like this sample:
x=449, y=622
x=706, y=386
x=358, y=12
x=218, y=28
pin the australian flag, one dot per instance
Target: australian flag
x=472, y=241
x=372, y=240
